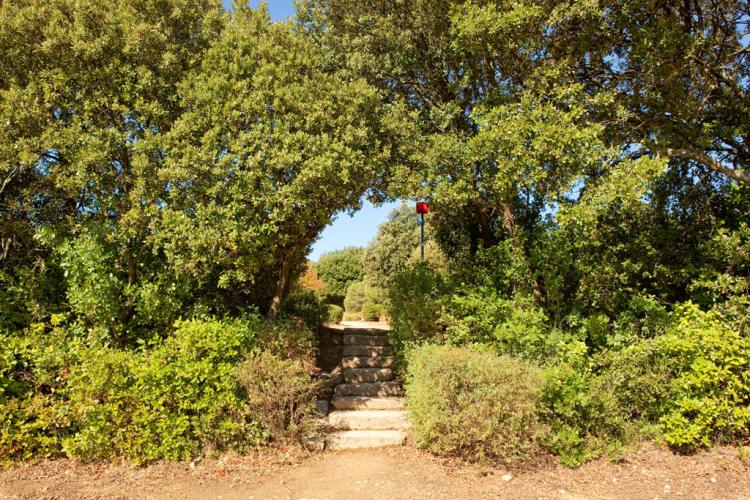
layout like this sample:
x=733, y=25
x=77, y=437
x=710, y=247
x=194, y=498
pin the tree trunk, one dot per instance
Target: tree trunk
x=509, y=224
x=485, y=227
x=282, y=288
x=509, y=220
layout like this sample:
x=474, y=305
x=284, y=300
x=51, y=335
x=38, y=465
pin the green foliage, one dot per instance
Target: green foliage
x=710, y=394
x=352, y=316
x=361, y=297
x=392, y=247
x=174, y=401
x=170, y=160
x=514, y=326
x=172, y=163
x=173, y=398
x=281, y=393
x=305, y=304
x=287, y=339
x=474, y=404
x=337, y=270
x=597, y=406
x=688, y=385
x=335, y=314
x=95, y=290
x=371, y=311
x=414, y=305
x=355, y=297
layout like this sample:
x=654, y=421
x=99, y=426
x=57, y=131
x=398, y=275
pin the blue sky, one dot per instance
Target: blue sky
x=355, y=231
x=279, y=9
x=345, y=231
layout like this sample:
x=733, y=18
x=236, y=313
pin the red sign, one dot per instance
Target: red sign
x=423, y=207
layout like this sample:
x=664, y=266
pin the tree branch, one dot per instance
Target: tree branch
x=7, y=180
x=702, y=158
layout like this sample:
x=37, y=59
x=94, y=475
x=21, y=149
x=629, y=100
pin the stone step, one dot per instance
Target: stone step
x=357, y=375
x=365, y=403
x=346, y=440
x=369, y=420
x=367, y=362
x=366, y=340
x=363, y=331
x=374, y=389
x=366, y=351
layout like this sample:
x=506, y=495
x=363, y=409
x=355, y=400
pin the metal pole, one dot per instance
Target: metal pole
x=421, y=237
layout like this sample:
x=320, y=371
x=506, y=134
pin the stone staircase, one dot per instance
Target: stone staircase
x=368, y=410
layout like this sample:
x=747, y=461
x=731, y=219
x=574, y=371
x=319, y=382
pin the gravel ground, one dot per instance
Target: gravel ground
x=649, y=472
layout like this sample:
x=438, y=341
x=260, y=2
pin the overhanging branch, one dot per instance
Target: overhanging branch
x=702, y=158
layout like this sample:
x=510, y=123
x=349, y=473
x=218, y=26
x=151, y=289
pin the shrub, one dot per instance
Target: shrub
x=355, y=297
x=690, y=384
x=338, y=270
x=65, y=391
x=514, y=326
x=33, y=372
x=598, y=404
x=473, y=403
x=639, y=379
x=415, y=301
x=281, y=393
x=288, y=339
x=371, y=312
x=583, y=415
x=352, y=316
x=710, y=395
x=176, y=400
x=304, y=303
x=335, y=314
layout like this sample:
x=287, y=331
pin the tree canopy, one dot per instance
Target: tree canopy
x=166, y=167
x=338, y=270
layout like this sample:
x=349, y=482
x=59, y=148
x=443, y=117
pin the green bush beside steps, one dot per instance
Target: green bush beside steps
x=474, y=403
x=207, y=386
x=687, y=387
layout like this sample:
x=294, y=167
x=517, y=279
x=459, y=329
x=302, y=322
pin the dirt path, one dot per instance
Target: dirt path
x=387, y=473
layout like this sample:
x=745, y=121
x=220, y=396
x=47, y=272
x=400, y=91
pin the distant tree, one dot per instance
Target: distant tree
x=309, y=277
x=337, y=270
x=393, y=245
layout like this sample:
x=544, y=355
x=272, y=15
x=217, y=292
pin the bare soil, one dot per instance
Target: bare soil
x=649, y=472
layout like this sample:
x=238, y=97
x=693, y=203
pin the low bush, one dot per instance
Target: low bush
x=335, y=314
x=304, y=304
x=355, y=297
x=584, y=415
x=287, y=339
x=710, y=393
x=474, y=403
x=689, y=386
x=66, y=392
x=352, y=316
x=364, y=301
x=372, y=312
x=515, y=326
x=281, y=394
x=175, y=400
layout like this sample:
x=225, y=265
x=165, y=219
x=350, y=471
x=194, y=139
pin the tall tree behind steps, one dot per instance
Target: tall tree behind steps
x=86, y=90
x=276, y=141
x=339, y=269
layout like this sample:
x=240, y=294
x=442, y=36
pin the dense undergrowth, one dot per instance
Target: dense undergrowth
x=679, y=376
x=208, y=385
